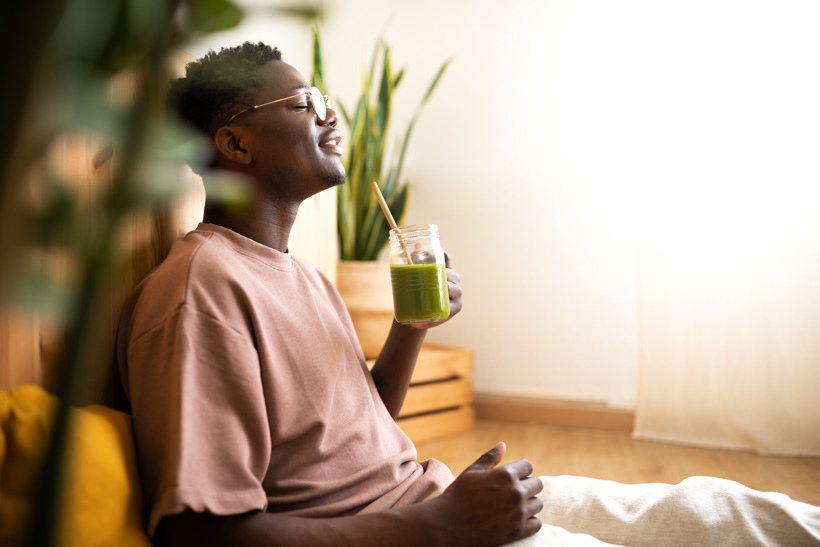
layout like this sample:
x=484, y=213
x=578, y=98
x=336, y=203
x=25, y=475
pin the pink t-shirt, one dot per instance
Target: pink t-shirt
x=249, y=390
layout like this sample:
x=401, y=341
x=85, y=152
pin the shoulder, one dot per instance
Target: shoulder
x=196, y=266
x=313, y=276
x=195, y=256
x=310, y=271
x=320, y=285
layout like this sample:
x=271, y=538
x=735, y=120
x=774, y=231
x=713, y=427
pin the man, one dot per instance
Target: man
x=256, y=419
x=253, y=408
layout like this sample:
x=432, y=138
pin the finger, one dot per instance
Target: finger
x=534, y=505
x=453, y=276
x=425, y=326
x=455, y=307
x=520, y=469
x=454, y=290
x=489, y=459
x=532, y=485
x=446, y=259
x=532, y=526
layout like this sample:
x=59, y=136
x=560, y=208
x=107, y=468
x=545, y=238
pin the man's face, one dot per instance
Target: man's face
x=295, y=155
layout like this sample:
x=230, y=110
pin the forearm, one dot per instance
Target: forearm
x=412, y=525
x=486, y=505
x=394, y=366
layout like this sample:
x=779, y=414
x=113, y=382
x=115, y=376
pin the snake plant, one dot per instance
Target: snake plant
x=362, y=228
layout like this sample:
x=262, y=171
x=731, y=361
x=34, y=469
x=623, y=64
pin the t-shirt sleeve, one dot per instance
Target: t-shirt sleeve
x=201, y=426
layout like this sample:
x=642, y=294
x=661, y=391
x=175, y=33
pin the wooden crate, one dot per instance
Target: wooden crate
x=438, y=424
x=440, y=399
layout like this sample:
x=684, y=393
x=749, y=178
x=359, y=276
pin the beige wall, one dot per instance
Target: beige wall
x=541, y=141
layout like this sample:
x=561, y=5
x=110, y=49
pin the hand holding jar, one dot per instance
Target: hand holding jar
x=426, y=290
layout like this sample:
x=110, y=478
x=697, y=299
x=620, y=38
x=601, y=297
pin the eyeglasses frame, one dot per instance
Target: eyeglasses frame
x=309, y=92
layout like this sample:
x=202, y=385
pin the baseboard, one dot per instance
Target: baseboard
x=582, y=415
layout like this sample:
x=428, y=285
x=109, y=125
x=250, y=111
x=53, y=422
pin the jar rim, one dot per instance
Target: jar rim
x=413, y=229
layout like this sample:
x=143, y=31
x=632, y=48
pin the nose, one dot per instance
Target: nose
x=331, y=118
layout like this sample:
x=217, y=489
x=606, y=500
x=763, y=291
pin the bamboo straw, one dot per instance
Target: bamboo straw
x=386, y=210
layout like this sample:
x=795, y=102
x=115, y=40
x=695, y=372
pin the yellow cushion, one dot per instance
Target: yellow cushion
x=102, y=500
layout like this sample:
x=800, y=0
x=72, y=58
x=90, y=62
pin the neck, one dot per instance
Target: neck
x=264, y=223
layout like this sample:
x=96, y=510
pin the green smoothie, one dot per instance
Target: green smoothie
x=420, y=292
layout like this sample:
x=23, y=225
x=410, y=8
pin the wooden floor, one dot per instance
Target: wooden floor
x=618, y=457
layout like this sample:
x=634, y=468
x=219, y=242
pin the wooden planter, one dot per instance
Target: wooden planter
x=366, y=289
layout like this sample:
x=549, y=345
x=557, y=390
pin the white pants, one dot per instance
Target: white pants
x=700, y=511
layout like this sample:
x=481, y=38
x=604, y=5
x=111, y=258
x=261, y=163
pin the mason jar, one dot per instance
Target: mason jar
x=418, y=275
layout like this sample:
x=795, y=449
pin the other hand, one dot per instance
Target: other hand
x=489, y=505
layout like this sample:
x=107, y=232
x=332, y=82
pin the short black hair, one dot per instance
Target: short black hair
x=219, y=85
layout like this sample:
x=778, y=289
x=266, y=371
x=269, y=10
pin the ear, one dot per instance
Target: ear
x=229, y=144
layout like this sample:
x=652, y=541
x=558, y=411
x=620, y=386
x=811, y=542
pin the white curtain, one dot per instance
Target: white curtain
x=728, y=243
x=729, y=313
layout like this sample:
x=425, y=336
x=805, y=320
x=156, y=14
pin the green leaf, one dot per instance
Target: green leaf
x=362, y=229
x=35, y=290
x=398, y=203
x=208, y=16
x=84, y=31
x=156, y=176
x=318, y=78
x=231, y=190
x=143, y=17
x=398, y=78
x=56, y=223
x=434, y=83
x=306, y=13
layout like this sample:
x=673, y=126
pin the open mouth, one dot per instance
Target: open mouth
x=331, y=143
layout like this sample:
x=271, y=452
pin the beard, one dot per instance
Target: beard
x=335, y=179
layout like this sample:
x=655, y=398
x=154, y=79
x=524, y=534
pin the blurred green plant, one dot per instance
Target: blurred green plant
x=362, y=229
x=57, y=82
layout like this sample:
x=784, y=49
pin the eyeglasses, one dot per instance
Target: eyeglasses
x=320, y=104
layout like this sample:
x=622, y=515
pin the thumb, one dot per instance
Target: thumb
x=489, y=459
